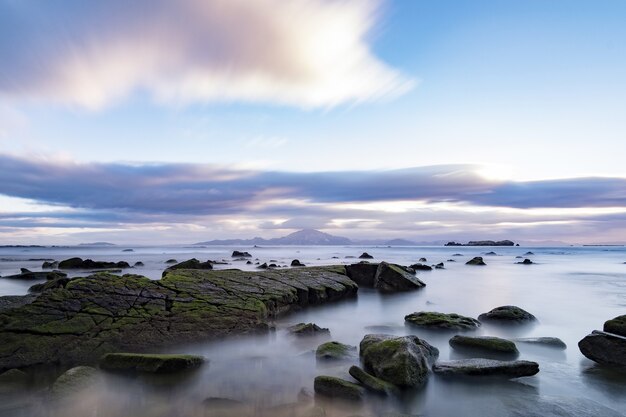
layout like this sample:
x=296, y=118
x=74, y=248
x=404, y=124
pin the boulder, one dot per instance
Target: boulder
x=238, y=254
x=525, y=262
x=553, y=342
x=487, y=367
x=333, y=387
x=391, y=278
x=334, y=351
x=422, y=260
x=478, y=260
x=434, y=320
x=363, y=274
x=371, y=383
x=27, y=275
x=366, y=255
x=528, y=253
x=307, y=329
x=74, y=381
x=421, y=267
x=402, y=361
x=189, y=264
x=78, y=263
x=296, y=262
x=49, y=265
x=507, y=314
x=616, y=325
x=604, y=348
x=486, y=344
x=138, y=264
x=152, y=363
x=171, y=261
x=440, y=265
x=263, y=266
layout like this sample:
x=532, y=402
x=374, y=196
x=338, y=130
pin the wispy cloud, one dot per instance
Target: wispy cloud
x=306, y=53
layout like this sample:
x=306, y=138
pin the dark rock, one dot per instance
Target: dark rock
x=128, y=250
x=421, y=267
x=238, y=254
x=491, y=254
x=171, y=261
x=138, y=264
x=371, y=383
x=528, y=253
x=334, y=351
x=248, y=262
x=434, y=320
x=34, y=276
x=296, y=262
x=391, y=278
x=366, y=255
x=422, y=260
x=152, y=363
x=486, y=344
x=78, y=263
x=604, y=348
x=478, y=260
x=507, y=314
x=189, y=264
x=553, y=342
x=49, y=285
x=487, y=367
x=439, y=265
x=616, y=325
x=263, y=266
x=363, y=274
x=74, y=381
x=8, y=302
x=49, y=265
x=402, y=361
x=525, y=262
x=331, y=386
x=306, y=329
x=458, y=254
x=272, y=266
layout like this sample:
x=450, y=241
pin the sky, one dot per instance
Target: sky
x=175, y=122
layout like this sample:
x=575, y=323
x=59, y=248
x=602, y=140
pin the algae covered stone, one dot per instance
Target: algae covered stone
x=331, y=386
x=478, y=260
x=75, y=380
x=307, y=329
x=616, y=325
x=153, y=363
x=485, y=344
x=371, y=383
x=507, y=314
x=447, y=321
x=487, y=367
x=334, y=351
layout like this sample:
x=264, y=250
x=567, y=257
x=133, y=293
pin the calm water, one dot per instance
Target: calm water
x=570, y=290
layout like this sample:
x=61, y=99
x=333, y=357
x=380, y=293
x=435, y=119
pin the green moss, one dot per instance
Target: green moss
x=616, y=325
x=484, y=343
x=334, y=351
x=336, y=387
x=434, y=320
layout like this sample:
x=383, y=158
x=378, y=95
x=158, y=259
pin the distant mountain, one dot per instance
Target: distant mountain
x=97, y=244
x=302, y=237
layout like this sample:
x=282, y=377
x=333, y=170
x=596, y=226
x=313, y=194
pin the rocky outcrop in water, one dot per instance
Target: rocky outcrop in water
x=383, y=276
x=487, y=367
x=483, y=243
x=434, y=320
x=78, y=263
x=189, y=264
x=478, y=260
x=484, y=344
x=616, y=325
x=27, y=275
x=150, y=363
x=334, y=351
x=333, y=387
x=553, y=342
x=371, y=383
x=604, y=348
x=507, y=314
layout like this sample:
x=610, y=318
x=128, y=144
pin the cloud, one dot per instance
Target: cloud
x=305, y=53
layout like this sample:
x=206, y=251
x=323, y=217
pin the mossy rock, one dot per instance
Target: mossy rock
x=189, y=264
x=551, y=342
x=371, y=383
x=330, y=386
x=334, y=351
x=486, y=367
x=307, y=329
x=152, y=363
x=616, y=325
x=487, y=344
x=392, y=278
x=507, y=314
x=74, y=381
x=446, y=321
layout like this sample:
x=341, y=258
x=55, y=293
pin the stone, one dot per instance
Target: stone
x=138, y=264
x=434, y=320
x=391, y=278
x=75, y=381
x=334, y=351
x=363, y=274
x=553, y=342
x=333, y=387
x=365, y=255
x=78, y=263
x=151, y=363
x=507, y=314
x=402, y=361
x=371, y=383
x=604, y=348
x=616, y=325
x=525, y=262
x=189, y=264
x=487, y=344
x=478, y=260
x=421, y=267
x=296, y=262
x=27, y=275
x=60, y=282
x=487, y=367
x=49, y=265
x=171, y=261
x=238, y=254
x=306, y=329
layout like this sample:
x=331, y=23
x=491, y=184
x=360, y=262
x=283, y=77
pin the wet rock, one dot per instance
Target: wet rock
x=525, y=262
x=402, y=361
x=507, y=314
x=549, y=406
x=434, y=320
x=296, y=262
x=391, y=278
x=553, y=342
x=152, y=363
x=238, y=254
x=171, y=261
x=334, y=351
x=263, y=266
x=422, y=260
x=478, y=260
x=128, y=250
x=78, y=263
x=366, y=255
x=604, y=348
x=458, y=254
x=27, y=275
x=363, y=274
x=74, y=381
x=487, y=367
x=491, y=253
x=8, y=302
x=307, y=329
x=49, y=265
x=272, y=266
x=616, y=325
x=248, y=262
x=440, y=265
x=189, y=264
x=138, y=264
x=486, y=344
x=421, y=267
x=371, y=383
x=59, y=282
x=331, y=386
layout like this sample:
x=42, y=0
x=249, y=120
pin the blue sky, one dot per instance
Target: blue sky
x=521, y=101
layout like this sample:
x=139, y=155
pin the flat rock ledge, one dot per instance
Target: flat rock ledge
x=487, y=367
x=106, y=313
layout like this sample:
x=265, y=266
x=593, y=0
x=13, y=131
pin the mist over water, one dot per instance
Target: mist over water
x=571, y=291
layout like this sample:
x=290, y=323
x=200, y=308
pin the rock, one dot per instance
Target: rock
x=553, y=342
x=272, y=266
x=238, y=254
x=189, y=264
x=8, y=302
x=331, y=386
x=525, y=262
x=528, y=253
x=306, y=329
x=366, y=255
x=334, y=351
x=78, y=263
x=507, y=314
x=604, y=348
x=486, y=344
x=49, y=265
x=616, y=325
x=422, y=260
x=263, y=266
x=106, y=313
x=363, y=274
x=248, y=262
x=171, y=261
x=402, y=361
x=371, y=383
x=451, y=260
x=74, y=381
x=491, y=253
x=128, y=250
x=487, y=367
x=434, y=320
x=421, y=267
x=138, y=264
x=152, y=363
x=439, y=265
x=458, y=254
x=60, y=282
x=13, y=381
x=296, y=262
x=478, y=260
x=391, y=278
x=27, y=275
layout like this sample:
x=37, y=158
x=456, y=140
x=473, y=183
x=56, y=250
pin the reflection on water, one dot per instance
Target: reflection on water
x=571, y=291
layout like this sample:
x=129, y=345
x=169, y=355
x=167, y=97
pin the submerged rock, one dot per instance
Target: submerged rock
x=49, y=265
x=478, y=260
x=507, y=314
x=604, y=348
x=138, y=264
x=616, y=325
x=371, y=383
x=59, y=282
x=366, y=255
x=305, y=329
x=331, y=386
x=402, y=361
x=238, y=254
x=487, y=344
x=27, y=275
x=525, y=262
x=152, y=363
x=78, y=263
x=553, y=342
x=334, y=351
x=487, y=367
x=189, y=264
x=434, y=320
x=171, y=261
x=74, y=381
x=421, y=267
